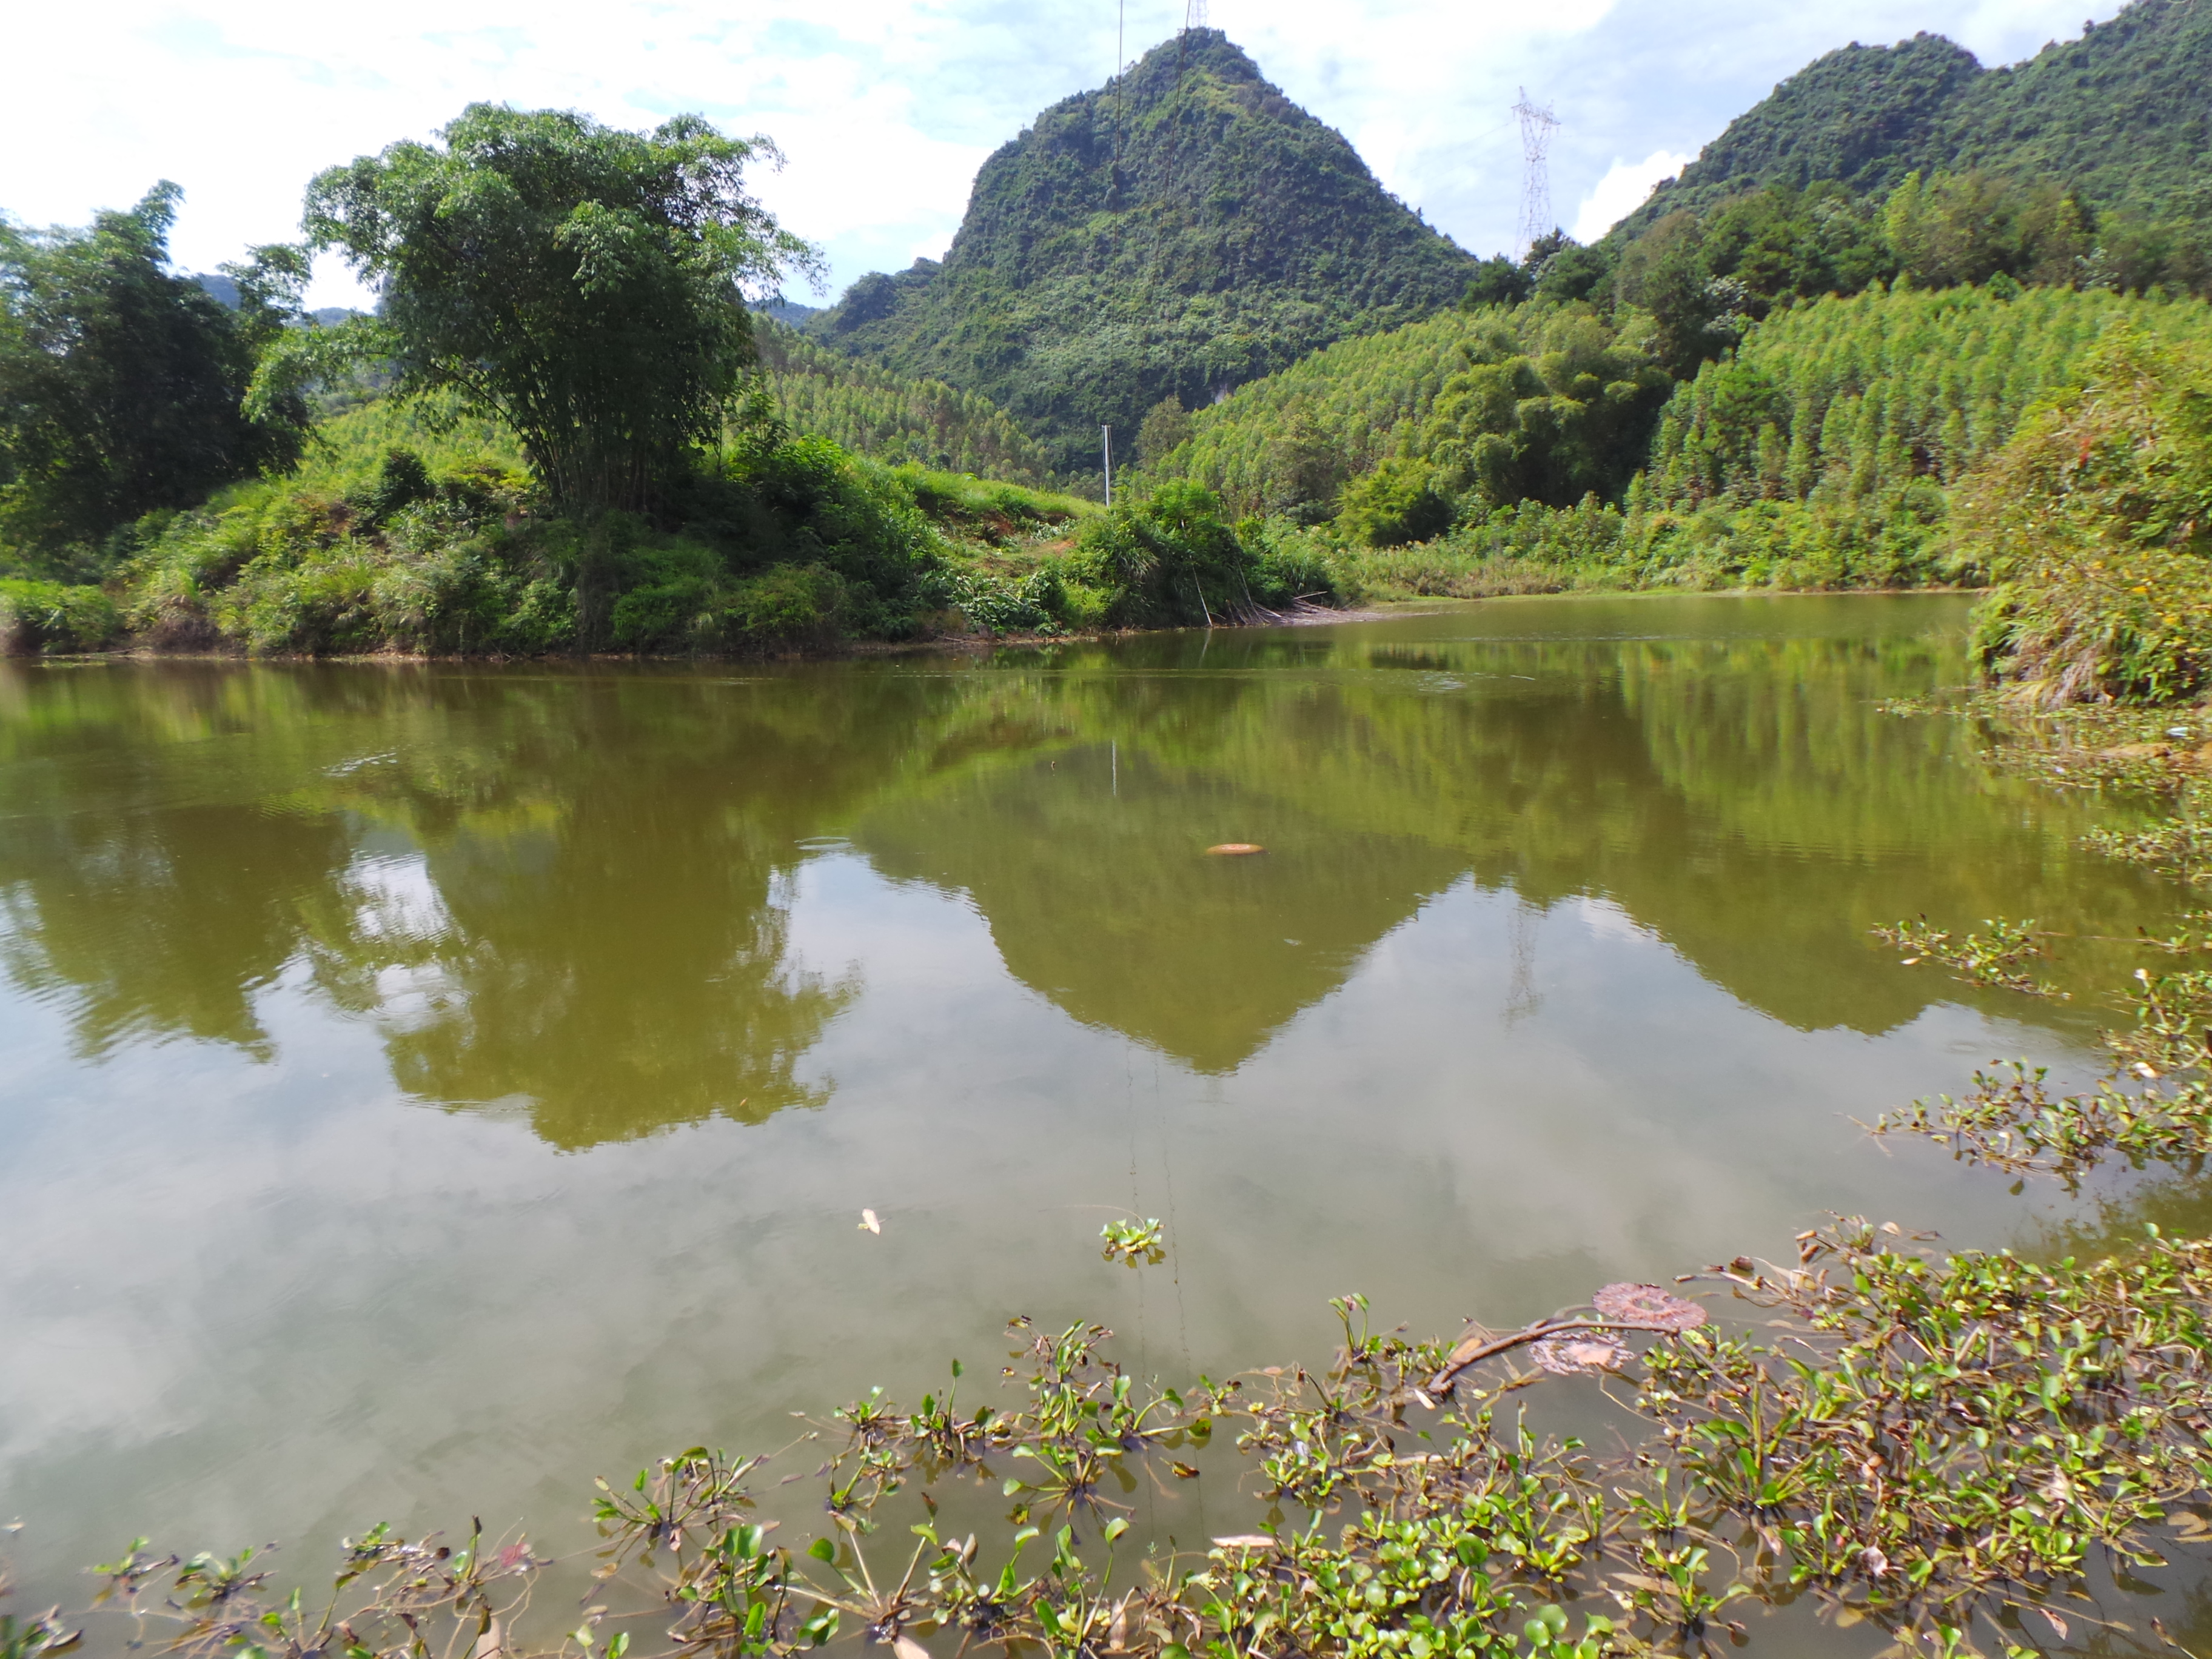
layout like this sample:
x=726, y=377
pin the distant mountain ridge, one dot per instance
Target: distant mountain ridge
x=2123, y=115
x=1177, y=234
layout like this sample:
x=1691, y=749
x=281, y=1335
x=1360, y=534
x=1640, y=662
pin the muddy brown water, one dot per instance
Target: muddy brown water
x=423, y=1088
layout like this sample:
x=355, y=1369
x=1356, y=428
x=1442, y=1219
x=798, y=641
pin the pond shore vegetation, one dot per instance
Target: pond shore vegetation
x=573, y=425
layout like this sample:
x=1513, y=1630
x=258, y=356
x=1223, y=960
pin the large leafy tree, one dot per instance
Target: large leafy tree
x=124, y=387
x=584, y=284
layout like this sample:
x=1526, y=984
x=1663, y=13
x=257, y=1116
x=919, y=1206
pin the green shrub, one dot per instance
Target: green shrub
x=1442, y=570
x=786, y=541
x=283, y=570
x=791, y=604
x=2097, y=518
x=672, y=588
x=1292, y=564
x=1396, y=503
x=37, y=616
x=1166, y=560
x=996, y=604
x=778, y=500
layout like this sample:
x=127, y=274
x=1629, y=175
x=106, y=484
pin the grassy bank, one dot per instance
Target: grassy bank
x=408, y=531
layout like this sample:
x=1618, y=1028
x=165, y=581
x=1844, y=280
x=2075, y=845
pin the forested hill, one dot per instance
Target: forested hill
x=1177, y=235
x=2120, y=115
x=893, y=418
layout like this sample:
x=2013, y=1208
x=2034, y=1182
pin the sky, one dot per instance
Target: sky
x=884, y=108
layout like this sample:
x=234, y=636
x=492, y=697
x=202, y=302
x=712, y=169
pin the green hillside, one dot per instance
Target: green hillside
x=2120, y=115
x=816, y=392
x=873, y=411
x=1549, y=402
x=1833, y=439
x=1177, y=235
x=1823, y=451
x=1844, y=397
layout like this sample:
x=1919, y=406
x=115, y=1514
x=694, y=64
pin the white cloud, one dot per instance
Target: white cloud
x=1622, y=191
x=885, y=107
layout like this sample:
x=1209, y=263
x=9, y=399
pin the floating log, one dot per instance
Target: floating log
x=1234, y=849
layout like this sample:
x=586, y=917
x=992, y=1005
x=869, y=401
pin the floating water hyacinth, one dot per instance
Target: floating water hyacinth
x=1134, y=1241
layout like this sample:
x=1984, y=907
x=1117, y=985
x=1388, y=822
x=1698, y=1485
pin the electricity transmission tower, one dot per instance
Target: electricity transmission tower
x=1537, y=126
x=1193, y=16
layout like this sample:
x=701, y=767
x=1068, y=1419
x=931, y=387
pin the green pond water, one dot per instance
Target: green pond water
x=423, y=1088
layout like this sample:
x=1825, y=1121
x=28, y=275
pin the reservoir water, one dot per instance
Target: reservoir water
x=425, y=1087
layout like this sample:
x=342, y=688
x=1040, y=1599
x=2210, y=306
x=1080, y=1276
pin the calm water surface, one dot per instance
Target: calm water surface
x=424, y=1088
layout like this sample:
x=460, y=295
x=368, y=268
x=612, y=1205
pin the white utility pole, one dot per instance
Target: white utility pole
x=1106, y=442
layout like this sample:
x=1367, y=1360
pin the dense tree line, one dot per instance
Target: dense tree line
x=126, y=389
x=557, y=431
x=1824, y=449
x=1851, y=398
x=1544, y=403
x=568, y=425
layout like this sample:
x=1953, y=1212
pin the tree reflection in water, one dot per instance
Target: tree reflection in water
x=569, y=891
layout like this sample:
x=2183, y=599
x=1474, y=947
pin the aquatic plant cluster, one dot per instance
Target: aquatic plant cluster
x=1939, y=1446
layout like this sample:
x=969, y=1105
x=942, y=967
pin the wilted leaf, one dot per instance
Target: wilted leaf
x=1578, y=1355
x=1648, y=1305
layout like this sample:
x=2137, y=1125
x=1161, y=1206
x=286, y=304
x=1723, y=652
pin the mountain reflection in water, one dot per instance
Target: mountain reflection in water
x=567, y=891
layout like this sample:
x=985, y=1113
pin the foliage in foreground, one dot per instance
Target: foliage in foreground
x=2154, y=1104
x=1947, y=1448
x=1938, y=1446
